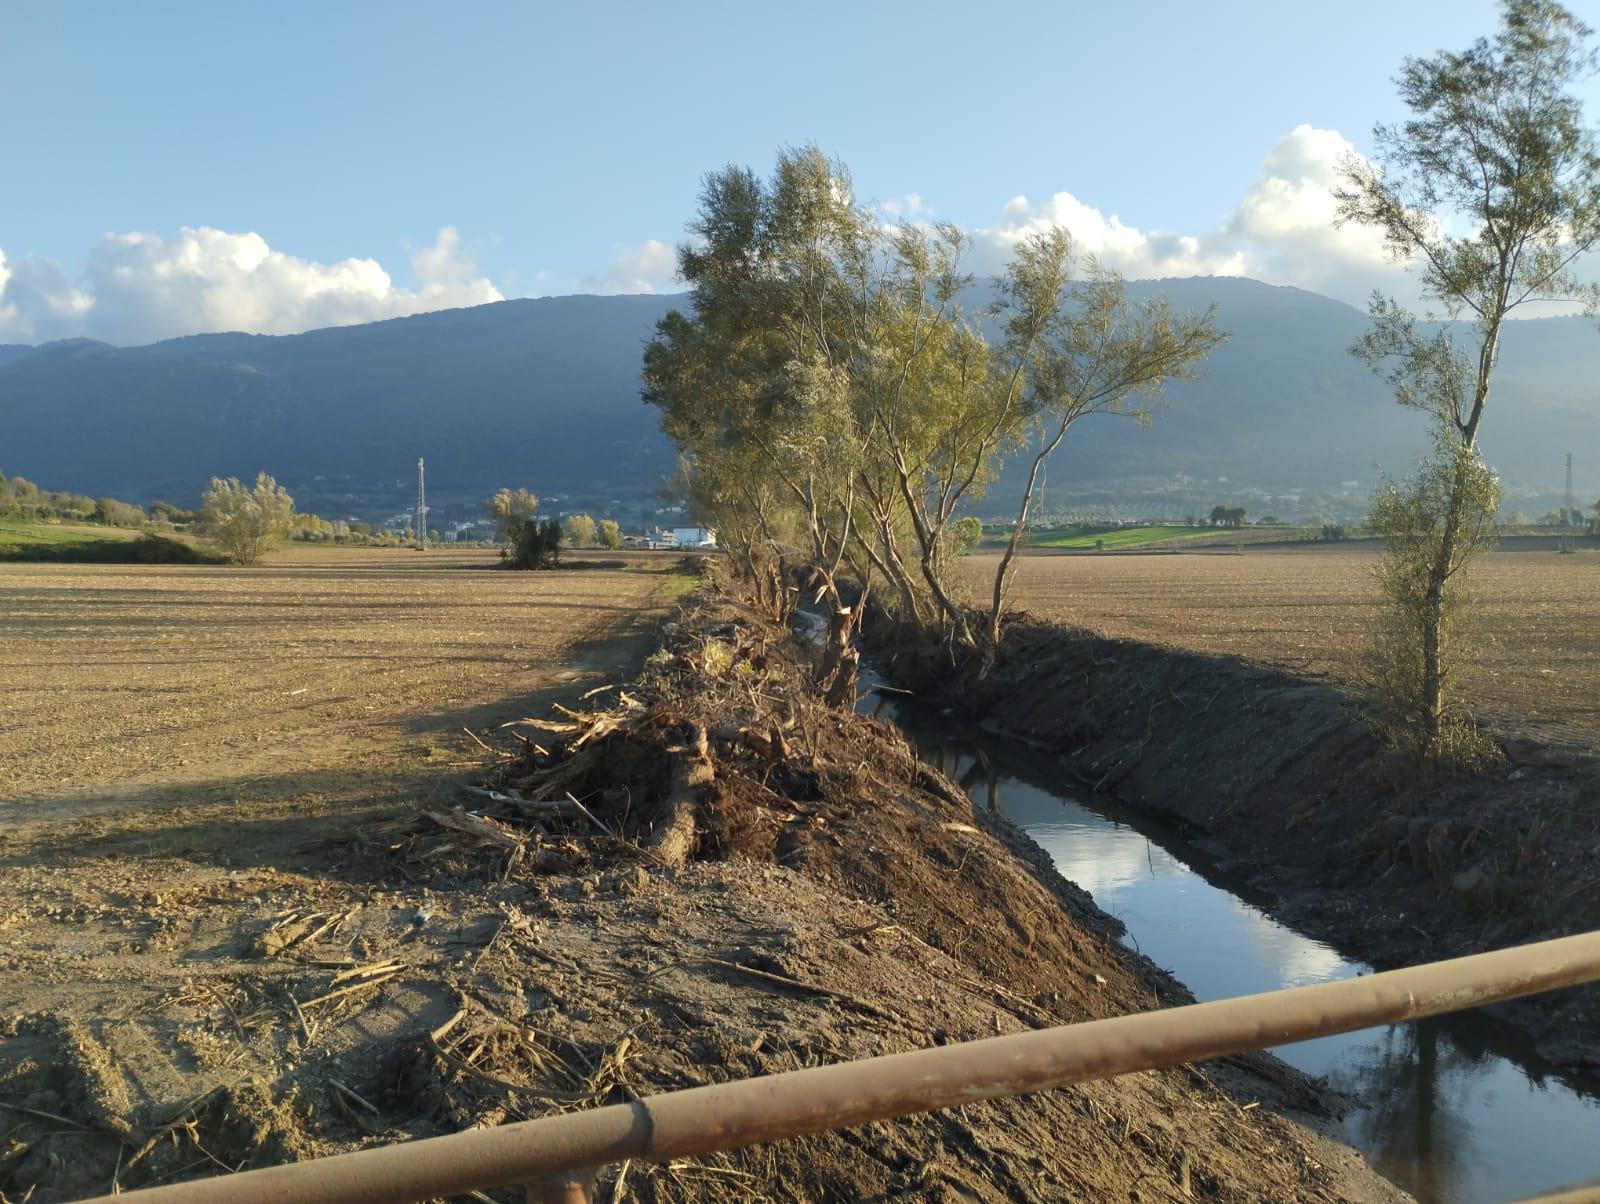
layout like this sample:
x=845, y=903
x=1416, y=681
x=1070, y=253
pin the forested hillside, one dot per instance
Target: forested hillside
x=546, y=392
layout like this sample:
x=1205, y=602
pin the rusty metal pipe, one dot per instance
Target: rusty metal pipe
x=731, y=1115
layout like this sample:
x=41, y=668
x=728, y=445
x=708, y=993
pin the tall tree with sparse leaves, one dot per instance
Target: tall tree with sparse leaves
x=1491, y=190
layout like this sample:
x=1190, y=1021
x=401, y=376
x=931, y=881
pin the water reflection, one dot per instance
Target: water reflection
x=1414, y=1128
x=1452, y=1109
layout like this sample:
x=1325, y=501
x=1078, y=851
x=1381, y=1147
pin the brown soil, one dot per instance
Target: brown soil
x=1307, y=610
x=122, y=680
x=178, y=994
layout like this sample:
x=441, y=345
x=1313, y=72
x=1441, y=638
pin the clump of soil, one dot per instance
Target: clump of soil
x=703, y=875
x=1287, y=781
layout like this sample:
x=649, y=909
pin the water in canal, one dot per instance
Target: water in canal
x=1451, y=1109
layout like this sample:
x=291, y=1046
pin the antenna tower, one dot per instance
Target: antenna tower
x=422, y=506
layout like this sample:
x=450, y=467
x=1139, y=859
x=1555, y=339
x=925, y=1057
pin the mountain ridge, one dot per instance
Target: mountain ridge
x=545, y=392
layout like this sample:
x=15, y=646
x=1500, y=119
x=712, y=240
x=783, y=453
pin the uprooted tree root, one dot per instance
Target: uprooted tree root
x=719, y=750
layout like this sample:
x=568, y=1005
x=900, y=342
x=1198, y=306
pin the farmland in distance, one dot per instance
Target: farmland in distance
x=138, y=678
x=1311, y=610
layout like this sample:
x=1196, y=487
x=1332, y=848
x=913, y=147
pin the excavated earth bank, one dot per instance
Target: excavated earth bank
x=1285, y=781
x=702, y=875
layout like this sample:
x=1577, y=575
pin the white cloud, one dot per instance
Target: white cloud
x=1288, y=216
x=651, y=267
x=37, y=300
x=1282, y=230
x=137, y=288
x=140, y=287
x=1131, y=251
x=909, y=207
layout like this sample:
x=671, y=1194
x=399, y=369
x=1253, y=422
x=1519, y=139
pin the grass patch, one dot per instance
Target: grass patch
x=677, y=584
x=1082, y=538
x=78, y=548
x=17, y=534
x=1116, y=537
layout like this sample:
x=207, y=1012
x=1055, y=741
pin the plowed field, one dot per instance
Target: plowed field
x=1310, y=610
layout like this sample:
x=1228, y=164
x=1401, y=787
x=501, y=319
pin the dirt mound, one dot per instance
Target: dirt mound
x=701, y=876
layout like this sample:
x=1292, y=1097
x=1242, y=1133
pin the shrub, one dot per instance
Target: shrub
x=533, y=545
x=247, y=522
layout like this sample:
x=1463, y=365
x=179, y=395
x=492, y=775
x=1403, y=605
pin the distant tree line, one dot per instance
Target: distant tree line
x=1228, y=516
x=21, y=498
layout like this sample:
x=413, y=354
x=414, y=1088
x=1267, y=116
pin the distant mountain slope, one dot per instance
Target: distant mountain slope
x=546, y=392
x=542, y=391
x=1284, y=404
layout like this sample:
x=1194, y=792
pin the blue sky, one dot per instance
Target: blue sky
x=561, y=148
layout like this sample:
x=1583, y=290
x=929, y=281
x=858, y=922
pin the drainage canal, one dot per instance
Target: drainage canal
x=1451, y=1109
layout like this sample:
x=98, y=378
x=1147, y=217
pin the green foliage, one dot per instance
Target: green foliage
x=836, y=407
x=146, y=549
x=525, y=542
x=313, y=528
x=581, y=531
x=113, y=513
x=21, y=498
x=608, y=534
x=511, y=509
x=166, y=512
x=533, y=545
x=1425, y=639
x=967, y=533
x=1492, y=188
x=1228, y=516
x=247, y=521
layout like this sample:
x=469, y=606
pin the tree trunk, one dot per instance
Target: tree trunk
x=998, y=601
x=1432, y=663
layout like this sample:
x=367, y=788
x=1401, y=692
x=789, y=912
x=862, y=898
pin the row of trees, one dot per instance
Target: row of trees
x=840, y=391
x=585, y=532
x=21, y=498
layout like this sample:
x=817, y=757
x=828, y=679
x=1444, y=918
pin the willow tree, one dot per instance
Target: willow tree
x=247, y=521
x=756, y=378
x=1075, y=346
x=938, y=418
x=1497, y=150
x=838, y=409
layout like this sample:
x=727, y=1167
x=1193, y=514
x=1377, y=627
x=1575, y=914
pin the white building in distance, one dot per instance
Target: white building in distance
x=694, y=537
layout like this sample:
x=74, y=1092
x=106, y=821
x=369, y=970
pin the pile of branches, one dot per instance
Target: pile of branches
x=718, y=746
